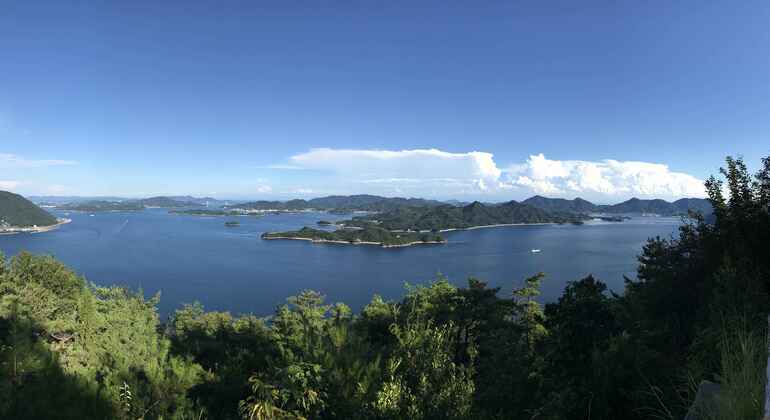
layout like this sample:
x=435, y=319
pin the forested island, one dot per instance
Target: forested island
x=96, y=206
x=696, y=311
x=369, y=235
x=418, y=225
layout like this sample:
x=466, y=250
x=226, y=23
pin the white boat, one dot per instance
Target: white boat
x=535, y=251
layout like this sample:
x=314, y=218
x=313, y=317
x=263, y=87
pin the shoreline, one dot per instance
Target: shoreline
x=496, y=225
x=16, y=230
x=328, y=241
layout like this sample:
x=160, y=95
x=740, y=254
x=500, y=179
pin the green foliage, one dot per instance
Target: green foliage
x=743, y=359
x=98, y=342
x=422, y=380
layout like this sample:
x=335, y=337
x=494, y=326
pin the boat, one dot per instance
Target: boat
x=535, y=251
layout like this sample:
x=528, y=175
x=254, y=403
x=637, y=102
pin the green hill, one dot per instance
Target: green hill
x=17, y=211
x=453, y=217
x=632, y=206
x=660, y=207
x=577, y=205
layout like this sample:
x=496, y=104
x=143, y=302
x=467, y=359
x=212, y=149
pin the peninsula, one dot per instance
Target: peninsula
x=18, y=215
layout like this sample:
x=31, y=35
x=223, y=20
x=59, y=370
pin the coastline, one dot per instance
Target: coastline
x=496, y=225
x=16, y=230
x=328, y=241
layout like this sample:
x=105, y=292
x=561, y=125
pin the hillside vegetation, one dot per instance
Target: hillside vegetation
x=17, y=211
x=696, y=311
x=452, y=217
x=680, y=207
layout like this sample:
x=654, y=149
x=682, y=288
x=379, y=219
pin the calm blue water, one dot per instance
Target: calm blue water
x=191, y=258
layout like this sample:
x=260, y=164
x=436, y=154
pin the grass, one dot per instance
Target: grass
x=743, y=359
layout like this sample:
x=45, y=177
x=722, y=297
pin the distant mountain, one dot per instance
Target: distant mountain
x=700, y=205
x=632, y=206
x=198, y=201
x=60, y=199
x=17, y=211
x=660, y=207
x=577, y=205
x=169, y=202
x=362, y=202
x=452, y=217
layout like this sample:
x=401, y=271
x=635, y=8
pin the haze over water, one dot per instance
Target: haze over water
x=191, y=258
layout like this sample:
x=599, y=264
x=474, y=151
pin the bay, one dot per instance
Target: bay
x=189, y=258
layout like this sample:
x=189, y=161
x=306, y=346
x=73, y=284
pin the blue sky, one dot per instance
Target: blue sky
x=603, y=100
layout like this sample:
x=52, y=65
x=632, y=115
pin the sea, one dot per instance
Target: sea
x=193, y=258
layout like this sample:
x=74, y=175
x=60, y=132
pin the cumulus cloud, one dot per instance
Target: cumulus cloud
x=9, y=185
x=10, y=161
x=603, y=178
x=436, y=172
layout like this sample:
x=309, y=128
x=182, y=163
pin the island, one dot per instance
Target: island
x=19, y=215
x=95, y=206
x=405, y=226
x=370, y=235
x=232, y=223
x=324, y=223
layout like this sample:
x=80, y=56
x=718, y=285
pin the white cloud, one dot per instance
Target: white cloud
x=432, y=172
x=602, y=178
x=9, y=185
x=10, y=161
